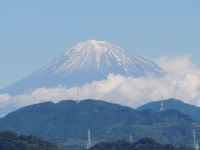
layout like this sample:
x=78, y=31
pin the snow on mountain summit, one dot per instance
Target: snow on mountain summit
x=84, y=63
x=84, y=55
x=102, y=56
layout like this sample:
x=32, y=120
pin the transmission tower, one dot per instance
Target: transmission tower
x=194, y=136
x=196, y=143
x=161, y=106
x=77, y=95
x=130, y=138
x=89, y=143
x=2, y=110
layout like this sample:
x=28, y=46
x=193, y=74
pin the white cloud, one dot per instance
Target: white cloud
x=182, y=81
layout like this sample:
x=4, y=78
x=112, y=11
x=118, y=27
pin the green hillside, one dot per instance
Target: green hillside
x=142, y=144
x=175, y=104
x=66, y=123
x=11, y=141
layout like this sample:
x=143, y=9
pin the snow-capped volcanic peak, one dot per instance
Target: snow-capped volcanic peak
x=102, y=55
x=84, y=63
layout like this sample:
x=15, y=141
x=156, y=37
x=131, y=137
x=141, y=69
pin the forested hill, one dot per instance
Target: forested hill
x=174, y=104
x=12, y=141
x=66, y=123
x=142, y=144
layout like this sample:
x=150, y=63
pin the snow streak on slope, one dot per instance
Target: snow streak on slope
x=86, y=62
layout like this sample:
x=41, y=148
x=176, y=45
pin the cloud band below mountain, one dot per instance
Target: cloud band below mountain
x=182, y=81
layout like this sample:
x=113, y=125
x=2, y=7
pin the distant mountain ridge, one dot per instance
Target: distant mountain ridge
x=84, y=63
x=66, y=123
x=175, y=104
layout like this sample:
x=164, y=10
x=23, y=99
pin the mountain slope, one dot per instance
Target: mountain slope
x=11, y=141
x=84, y=63
x=67, y=122
x=142, y=144
x=175, y=104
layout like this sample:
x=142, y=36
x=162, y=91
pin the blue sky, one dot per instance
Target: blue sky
x=32, y=33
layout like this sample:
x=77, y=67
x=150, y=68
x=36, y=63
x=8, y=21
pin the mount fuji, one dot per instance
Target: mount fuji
x=84, y=63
